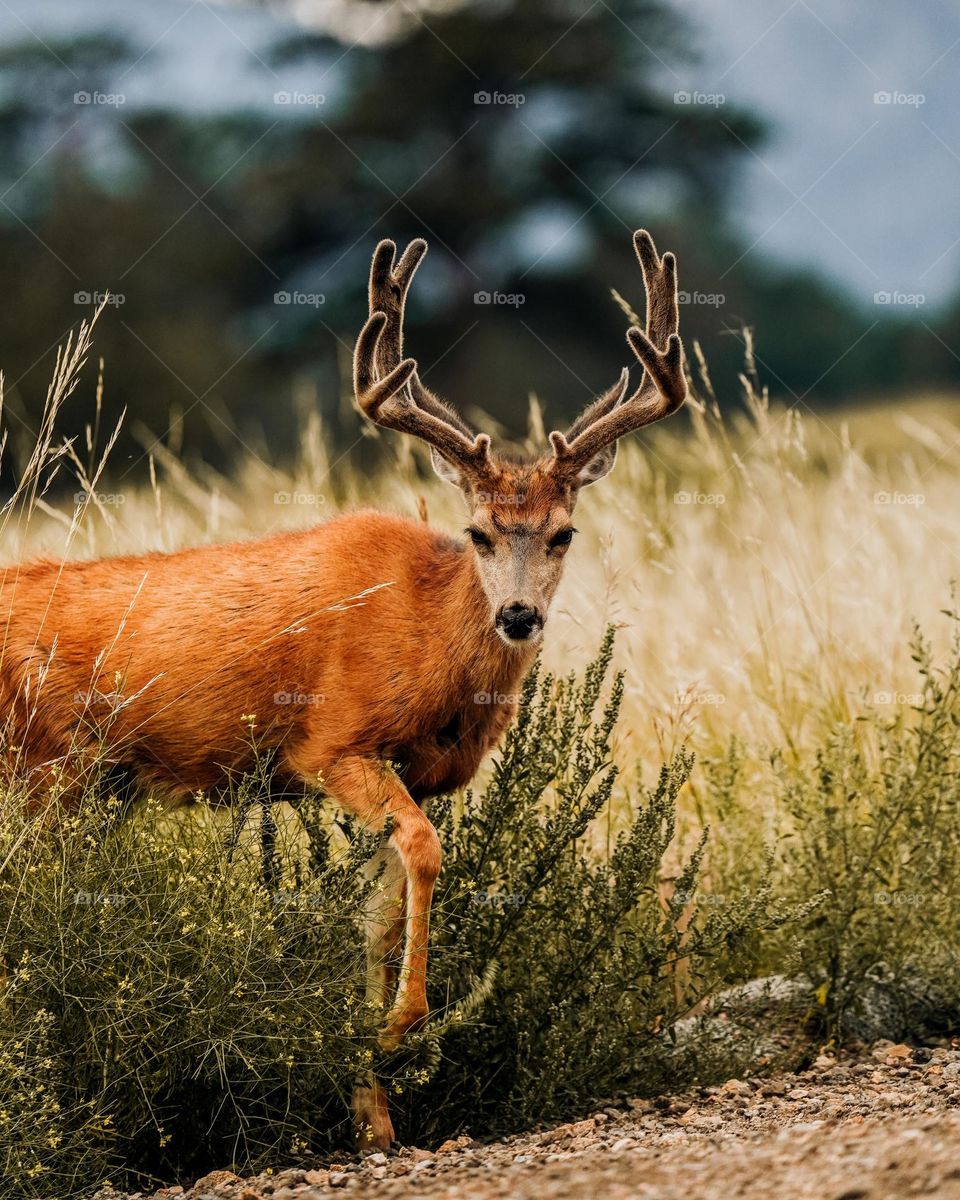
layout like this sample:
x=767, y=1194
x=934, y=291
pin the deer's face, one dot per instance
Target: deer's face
x=520, y=515
x=520, y=533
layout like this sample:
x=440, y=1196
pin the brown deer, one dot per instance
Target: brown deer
x=382, y=631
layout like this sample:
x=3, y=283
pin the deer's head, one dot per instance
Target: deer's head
x=521, y=513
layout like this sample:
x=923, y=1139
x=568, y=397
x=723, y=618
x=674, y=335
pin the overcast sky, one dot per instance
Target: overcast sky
x=863, y=189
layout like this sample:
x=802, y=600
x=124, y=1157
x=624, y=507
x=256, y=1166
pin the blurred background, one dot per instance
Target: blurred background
x=225, y=169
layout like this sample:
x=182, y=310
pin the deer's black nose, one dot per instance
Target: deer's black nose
x=518, y=621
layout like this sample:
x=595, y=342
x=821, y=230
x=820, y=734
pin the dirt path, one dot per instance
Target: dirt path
x=882, y=1127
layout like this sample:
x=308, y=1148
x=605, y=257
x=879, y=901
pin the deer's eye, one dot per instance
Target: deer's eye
x=479, y=539
x=563, y=538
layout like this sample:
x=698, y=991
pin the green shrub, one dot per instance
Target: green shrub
x=870, y=821
x=591, y=953
x=164, y=1010
x=174, y=1002
x=876, y=822
x=182, y=995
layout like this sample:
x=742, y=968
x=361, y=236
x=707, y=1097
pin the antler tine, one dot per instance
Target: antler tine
x=389, y=286
x=387, y=387
x=663, y=387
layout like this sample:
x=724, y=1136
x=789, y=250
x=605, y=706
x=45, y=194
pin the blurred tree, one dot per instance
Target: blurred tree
x=524, y=140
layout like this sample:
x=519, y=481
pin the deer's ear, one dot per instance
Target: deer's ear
x=446, y=470
x=600, y=465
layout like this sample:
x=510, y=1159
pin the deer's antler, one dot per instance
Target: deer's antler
x=589, y=446
x=387, y=386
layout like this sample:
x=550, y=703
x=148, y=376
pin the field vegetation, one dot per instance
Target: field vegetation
x=751, y=770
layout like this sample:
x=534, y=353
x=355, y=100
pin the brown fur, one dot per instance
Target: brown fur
x=164, y=655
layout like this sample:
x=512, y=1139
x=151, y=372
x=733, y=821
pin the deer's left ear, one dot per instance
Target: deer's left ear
x=446, y=470
x=600, y=465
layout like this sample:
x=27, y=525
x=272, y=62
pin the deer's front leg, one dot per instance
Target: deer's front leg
x=372, y=791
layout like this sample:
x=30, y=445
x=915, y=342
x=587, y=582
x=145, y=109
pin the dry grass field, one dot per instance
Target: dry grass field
x=764, y=564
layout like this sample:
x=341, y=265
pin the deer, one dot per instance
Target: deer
x=396, y=626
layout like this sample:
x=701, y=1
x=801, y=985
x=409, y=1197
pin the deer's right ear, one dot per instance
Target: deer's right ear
x=598, y=466
x=446, y=470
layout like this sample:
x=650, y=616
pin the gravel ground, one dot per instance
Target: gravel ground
x=882, y=1125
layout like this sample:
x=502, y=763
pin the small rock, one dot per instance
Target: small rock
x=624, y=1143
x=694, y=1118
x=213, y=1180
x=802, y=1127
x=572, y=1130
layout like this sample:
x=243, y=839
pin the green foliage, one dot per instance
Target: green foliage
x=185, y=994
x=869, y=822
x=182, y=996
x=591, y=952
x=877, y=824
x=294, y=196
x=163, y=1009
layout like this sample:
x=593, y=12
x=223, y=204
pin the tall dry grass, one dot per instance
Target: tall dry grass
x=764, y=564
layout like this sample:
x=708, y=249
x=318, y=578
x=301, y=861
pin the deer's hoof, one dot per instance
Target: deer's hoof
x=371, y=1118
